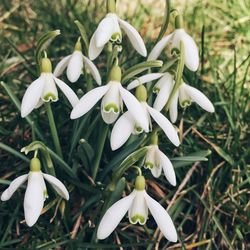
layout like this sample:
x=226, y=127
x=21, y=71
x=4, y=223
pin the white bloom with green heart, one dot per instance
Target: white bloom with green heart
x=186, y=94
x=127, y=124
x=74, y=64
x=109, y=29
x=44, y=89
x=191, y=53
x=113, y=96
x=137, y=205
x=36, y=191
x=156, y=161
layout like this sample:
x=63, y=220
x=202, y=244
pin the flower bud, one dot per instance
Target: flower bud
x=140, y=183
x=46, y=66
x=141, y=93
x=115, y=74
x=35, y=165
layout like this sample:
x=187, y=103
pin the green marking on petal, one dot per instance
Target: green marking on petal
x=116, y=37
x=45, y=194
x=111, y=107
x=138, y=218
x=149, y=165
x=175, y=52
x=50, y=97
x=138, y=129
x=185, y=103
x=156, y=90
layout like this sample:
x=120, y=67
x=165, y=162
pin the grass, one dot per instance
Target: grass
x=210, y=205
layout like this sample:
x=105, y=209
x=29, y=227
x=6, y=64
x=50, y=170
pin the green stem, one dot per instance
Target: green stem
x=101, y=143
x=53, y=130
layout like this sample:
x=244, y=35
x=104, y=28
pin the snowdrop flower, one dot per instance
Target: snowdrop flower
x=126, y=124
x=44, y=89
x=185, y=93
x=156, y=160
x=191, y=54
x=109, y=29
x=137, y=204
x=113, y=97
x=74, y=64
x=36, y=191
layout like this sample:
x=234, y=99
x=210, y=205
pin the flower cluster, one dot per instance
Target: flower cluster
x=131, y=114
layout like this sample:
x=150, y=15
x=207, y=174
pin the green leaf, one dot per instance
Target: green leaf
x=128, y=162
x=15, y=100
x=140, y=67
x=165, y=20
x=13, y=152
x=43, y=43
x=83, y=35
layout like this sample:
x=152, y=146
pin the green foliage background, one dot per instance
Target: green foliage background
x=210, y=205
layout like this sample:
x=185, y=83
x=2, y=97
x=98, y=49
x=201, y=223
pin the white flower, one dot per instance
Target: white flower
x=113, y=97
x=44, y=89
x=156, y=160
x=126, y=125
x=109, y=29
x=74, y=64
x=191, y=54
x=137, y=204
x=36, y=192
x=185, y=93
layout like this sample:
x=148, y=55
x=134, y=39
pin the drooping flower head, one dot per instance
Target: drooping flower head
x=44, y=89
x=36, y=191
x=137, y=205
x=191, y=54
x=113, y=96
x=74, y=64
x=109, y=29
x=127, y=124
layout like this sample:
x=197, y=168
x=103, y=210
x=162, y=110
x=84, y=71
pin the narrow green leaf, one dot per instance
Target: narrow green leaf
x=165, y=20
x=140, y=67
x=43, y=43
x=83, y=35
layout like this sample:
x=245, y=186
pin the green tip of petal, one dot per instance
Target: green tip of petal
x=111, y=107
x=50, y=97
x=138, y=218
x=185, y=103
x=35, y=165
x=149, y=165
x=116, y=37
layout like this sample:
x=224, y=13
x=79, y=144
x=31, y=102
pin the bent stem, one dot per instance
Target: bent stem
x=53, y=130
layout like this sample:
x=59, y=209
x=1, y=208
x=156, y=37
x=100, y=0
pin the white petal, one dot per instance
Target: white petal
x=199, y=98
x=113, y=216
x=156, y=51
x=135, y=108
x=162, y=218
x=104, y=31
x=156, y=170
x=134, y=37
x=191, y=53
x=88, y=101
x=94, y=51
x=50, y=92
x=166, y=83
x=110, y=106
x=75, y=65
x=67, y=91
x=150, y=157
x=93, y=70
x=173, y=108
x=39, y=104
x=121, y=131
x=166, y=125
x=61, y=66
x=138, y=212
x=57, y=185
x=34, y=198
x=144, y=79
x=167, y=166
x=32, y=96
x=14, y=185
